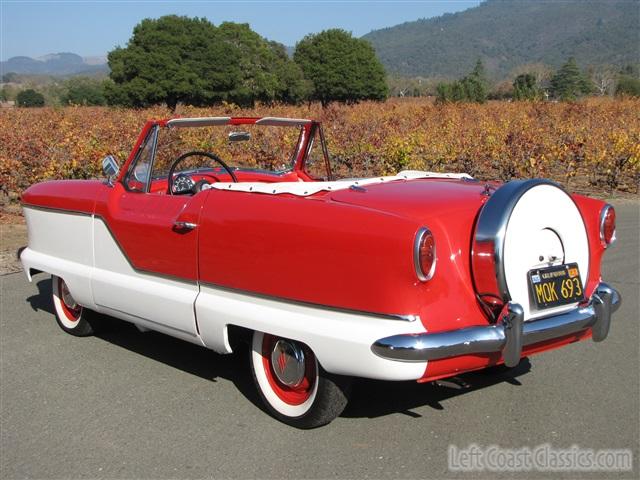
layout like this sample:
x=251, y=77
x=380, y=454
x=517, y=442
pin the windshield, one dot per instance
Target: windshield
x=264, y=148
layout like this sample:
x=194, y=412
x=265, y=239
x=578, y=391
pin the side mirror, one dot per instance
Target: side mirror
x=110, y=167
x=239, y=136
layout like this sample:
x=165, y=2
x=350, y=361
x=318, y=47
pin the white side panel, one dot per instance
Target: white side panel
x=341, y=341
x=153, y=301
x=61, y=244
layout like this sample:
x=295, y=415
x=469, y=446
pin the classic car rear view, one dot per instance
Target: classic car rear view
x=222, y=229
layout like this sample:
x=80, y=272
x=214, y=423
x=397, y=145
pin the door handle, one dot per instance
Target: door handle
x=182, y=227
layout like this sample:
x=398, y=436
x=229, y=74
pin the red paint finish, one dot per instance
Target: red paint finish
x=446, y=367
x=144, y=227
x=314, y=249
x=308, y=249
x=590, y=208
x=71, y=195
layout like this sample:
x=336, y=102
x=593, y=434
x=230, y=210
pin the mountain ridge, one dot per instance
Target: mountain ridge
x=57, y=64
x=508, y=34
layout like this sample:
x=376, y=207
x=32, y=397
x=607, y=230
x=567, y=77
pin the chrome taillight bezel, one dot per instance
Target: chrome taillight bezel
x=417, y=264
x=603, y=217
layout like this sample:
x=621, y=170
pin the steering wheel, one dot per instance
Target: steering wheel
x=212, y=156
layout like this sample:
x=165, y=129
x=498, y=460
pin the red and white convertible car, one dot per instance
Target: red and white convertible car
x=221, y=228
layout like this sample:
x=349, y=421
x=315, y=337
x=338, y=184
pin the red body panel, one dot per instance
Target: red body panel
x=72, y=195
x=143, y=226
x=318, y=250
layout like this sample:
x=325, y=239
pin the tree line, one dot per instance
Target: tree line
x=180, y=60
x=529, y=82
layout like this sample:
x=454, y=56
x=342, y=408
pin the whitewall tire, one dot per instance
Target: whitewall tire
x=71, y=317
x=293, y=385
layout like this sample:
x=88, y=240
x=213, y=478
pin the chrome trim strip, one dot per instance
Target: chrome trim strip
x=507, y=337
x=56, y=209
x=282, y=122
x=603, y=215
x=422, y=231
x=384, y=316
x=198, y=122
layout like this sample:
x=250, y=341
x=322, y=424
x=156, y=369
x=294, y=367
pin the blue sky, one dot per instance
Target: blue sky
x=35, y=28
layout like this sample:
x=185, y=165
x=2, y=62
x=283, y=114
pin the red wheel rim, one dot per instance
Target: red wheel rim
x=72, y=312
x=290, y=395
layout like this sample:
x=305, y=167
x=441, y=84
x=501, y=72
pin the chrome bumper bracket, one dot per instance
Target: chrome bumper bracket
x=508, y=337
x=513, y=329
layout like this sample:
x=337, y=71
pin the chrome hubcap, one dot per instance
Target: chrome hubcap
x=287, y=360
x=67, y=298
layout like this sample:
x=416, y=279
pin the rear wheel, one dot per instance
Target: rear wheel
x=71, y=317
x=293, y=385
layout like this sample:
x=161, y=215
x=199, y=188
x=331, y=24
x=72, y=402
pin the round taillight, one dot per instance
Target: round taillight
x=608, y=225
x=424, y=254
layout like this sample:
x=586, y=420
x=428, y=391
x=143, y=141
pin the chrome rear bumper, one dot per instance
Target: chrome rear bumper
x=507, y=337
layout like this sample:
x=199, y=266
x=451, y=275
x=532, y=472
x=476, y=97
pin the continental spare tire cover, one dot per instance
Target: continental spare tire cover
x=526, y=225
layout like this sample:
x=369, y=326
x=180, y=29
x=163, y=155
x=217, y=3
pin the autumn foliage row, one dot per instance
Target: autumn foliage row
x=591, y=146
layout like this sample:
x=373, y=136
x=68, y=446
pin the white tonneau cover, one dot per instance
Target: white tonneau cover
x=309, y=188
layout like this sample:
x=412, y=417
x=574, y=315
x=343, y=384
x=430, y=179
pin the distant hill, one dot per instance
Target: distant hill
x=506, y=34
x=59, y=64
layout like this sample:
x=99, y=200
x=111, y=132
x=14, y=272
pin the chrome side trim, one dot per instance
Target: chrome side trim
x=198, y=122
x=282, y=122
x=383, y=316
x=416, y=255
x=507, y=337
x=603, y=215
x=55, y=209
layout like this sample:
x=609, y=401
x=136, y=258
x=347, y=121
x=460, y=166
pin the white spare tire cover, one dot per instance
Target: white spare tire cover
x=523, y=226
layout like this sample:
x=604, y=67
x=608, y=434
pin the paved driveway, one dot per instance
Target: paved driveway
x=133, y=405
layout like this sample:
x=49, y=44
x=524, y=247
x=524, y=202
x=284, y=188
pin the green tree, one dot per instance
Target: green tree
x=628, y=85
x=266, y=72
x=476, y=83
x=341, y=68
x=470, y=88
x=292, y=86
x=569, y=83
x=83, y=91
x=188, y=60
x=172, y=59
x=525, y=87
x=11, y=77
x=30, y=98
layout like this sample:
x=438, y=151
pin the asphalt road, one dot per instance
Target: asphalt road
x=133, y=405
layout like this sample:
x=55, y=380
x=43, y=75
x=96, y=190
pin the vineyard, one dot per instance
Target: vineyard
x=590, y=147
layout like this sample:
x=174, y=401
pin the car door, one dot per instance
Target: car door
x=145, y=250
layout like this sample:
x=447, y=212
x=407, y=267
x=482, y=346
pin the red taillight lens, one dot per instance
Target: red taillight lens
x=608, y=225
x=425, y=254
